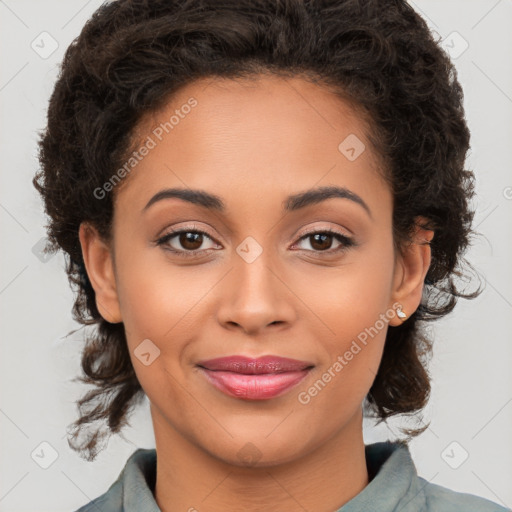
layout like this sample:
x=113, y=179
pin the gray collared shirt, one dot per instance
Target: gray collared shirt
x=394, y=487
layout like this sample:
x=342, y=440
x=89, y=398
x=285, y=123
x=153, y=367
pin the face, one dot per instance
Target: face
x=257, y=270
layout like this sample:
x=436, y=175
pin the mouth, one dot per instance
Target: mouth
x=254, y=379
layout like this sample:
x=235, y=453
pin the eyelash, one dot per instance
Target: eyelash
x=346, y=241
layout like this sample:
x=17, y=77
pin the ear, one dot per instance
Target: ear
x=98, y=260
x=411, y=267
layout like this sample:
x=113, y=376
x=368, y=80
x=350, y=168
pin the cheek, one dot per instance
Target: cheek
x=157, y=307
x=352, y=309
x=351, y=358
x=350, y=298
x=156, y=296
x=167, y=305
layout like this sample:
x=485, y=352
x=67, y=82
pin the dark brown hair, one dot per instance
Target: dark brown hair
x=132, y=55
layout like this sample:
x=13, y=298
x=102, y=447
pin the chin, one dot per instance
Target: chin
x=255, y=451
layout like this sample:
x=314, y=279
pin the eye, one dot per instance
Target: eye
x=184, y=242
x=187, y=242
x=321, y=241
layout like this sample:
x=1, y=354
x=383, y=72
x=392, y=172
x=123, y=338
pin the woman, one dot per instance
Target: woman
x=262, y=203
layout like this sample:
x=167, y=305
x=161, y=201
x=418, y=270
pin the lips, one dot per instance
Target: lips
x=254, y=379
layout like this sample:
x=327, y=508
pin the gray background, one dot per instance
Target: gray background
x=471, y=405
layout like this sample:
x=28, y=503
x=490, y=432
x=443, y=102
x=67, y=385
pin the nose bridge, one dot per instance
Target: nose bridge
x=253, y=271
x=256, y=296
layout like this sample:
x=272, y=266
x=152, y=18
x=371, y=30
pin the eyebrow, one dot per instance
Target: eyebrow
x=290, y=204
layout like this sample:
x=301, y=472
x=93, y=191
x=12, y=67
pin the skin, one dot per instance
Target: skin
x=253, y=143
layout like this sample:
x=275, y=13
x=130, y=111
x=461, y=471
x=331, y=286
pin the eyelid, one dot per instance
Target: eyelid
x=322, y=229
x=346, y=240
x=176, y=231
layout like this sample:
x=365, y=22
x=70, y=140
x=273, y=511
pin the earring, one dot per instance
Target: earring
x=400, y=313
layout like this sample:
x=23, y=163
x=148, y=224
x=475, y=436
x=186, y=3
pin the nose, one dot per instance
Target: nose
x=256, y=297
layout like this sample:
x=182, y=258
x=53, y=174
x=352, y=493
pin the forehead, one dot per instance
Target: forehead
x=266, y=136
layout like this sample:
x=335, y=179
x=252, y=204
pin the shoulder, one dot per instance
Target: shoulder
x=133, y=488
x=106, y=503
x=442, y=499
x=396, y=486
x=110, y=501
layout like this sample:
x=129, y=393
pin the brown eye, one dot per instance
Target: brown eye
x=190, y=240
x=322, y=241
x=185, y=242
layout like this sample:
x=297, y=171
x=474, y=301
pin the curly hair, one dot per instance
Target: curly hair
x=133, y=55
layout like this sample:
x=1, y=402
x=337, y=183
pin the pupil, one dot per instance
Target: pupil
x=190, y=240
x=323, y=237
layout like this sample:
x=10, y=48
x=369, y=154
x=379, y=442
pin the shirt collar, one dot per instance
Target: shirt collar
x=394, y=485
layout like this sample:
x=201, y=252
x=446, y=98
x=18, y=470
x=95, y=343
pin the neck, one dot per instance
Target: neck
x=188, y=478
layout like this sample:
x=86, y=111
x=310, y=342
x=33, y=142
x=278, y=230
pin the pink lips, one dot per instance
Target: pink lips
x=254, y=379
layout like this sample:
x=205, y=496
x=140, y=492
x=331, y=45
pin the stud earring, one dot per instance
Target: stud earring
x=400, y=313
